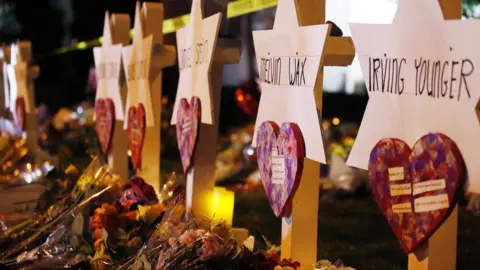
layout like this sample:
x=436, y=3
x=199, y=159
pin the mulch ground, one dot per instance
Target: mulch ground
x=352, y=228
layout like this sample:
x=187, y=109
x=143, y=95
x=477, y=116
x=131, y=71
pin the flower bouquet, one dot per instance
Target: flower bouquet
x=183, y=241
x=40, y=231
x=122, y=227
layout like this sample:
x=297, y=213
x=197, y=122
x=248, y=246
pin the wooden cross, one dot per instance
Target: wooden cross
x=115, y=31
x=23, y=53
x=151, y=18
x=299, y=232
x=440, y=250
x=200, y=179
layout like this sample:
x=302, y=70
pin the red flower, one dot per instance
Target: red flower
x=146, y=189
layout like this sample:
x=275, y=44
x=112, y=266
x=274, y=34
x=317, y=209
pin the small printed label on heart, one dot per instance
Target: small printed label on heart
x=278, y=168
x=431, y=203
x=280, y=154
x=400, y=208
x=432, y=185
x=189, y=116
x=400, y=189
x=105, y=122
x=395, y=174
x=136, y=134
x=417, y=188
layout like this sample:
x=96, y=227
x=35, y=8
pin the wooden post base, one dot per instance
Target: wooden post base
x=118, y=158
x=31, y=130
x=440, y=251
x=299, y=232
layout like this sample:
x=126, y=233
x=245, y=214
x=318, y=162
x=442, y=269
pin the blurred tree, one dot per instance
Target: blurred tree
x=10, y=28
x=471, y=8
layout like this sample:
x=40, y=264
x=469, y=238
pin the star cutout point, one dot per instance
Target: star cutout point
x=427, y=82
x=138, y=33
x=107, y=31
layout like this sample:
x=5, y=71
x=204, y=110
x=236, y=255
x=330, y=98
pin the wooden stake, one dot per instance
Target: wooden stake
x=162, y=56
x=440, y=250
x=118, y=158
x=299, y=232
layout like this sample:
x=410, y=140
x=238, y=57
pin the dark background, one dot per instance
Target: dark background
x=52, y=24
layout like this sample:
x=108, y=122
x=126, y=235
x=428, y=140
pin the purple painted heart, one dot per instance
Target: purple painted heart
x=20, y=113
x=416, y=189
x=189, y=116
x=280, y=154
x=105, y=122
x=136, y=134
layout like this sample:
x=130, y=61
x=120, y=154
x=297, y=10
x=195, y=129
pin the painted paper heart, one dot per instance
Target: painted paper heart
x=136, y=134
x=19, y=116
x=416, y=189
x=105, y=122
x=280, y=154
x=188, y=127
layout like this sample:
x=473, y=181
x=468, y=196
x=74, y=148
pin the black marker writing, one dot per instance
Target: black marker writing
x=270, y=70
x=184, y=60
x=384, y=74
x=107, y=70
x=202, y=51
x=101, y=71
x=296, y=70
x=136, y=71
x=442, y=79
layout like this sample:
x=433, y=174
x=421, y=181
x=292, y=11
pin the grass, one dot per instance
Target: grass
x=353, y=229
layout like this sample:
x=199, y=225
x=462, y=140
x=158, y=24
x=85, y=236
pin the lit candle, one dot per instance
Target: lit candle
x=222, y=204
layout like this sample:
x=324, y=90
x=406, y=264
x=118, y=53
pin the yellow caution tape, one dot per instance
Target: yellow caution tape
x=234, y=9
x=242, y=7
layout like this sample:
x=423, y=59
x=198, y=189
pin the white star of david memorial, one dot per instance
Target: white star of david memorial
x=196, y=43
x=288, y=58
x=108, y=60
x=422, y=76
x=6, y=86
x=136, y=60
x=17, y=78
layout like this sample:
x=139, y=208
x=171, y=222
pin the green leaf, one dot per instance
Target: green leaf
x=77, y=225
x=105, y=236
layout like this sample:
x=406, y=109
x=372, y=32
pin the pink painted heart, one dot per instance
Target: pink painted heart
x=19, y=116
x=416, y=189
x=136, y=134
x=280, y=154
x=188, y=127
x=105, y=122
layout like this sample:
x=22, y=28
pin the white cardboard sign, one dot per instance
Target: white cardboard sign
x=136, y=62
x=288, y=58
x=196, y=43
x=4, y=69
x=17, y=78
x=108, y=60
x=422, y=75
